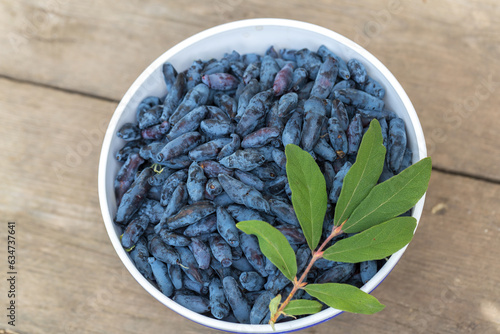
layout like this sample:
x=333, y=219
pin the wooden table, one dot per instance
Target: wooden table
x=64, y=65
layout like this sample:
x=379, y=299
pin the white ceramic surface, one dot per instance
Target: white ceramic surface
x=254, y=35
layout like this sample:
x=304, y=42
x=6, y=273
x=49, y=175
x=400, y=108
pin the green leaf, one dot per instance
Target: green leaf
x=302, y=306
x=309, y=196
x=363, y=175
x=391, y=198
x=345, y=297
x=374, y=243
x=273, y=305
x=273, y=245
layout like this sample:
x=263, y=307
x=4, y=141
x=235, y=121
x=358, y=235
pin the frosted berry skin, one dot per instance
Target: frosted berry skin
x=210, y=152
x=325, y=79
x=357, y=70
x=226, y=226
x=195, y=97
x=396, y=144
x=237, y=301
x=219, y=307
x=134, y=196
x=160, y=273
x=283, y=80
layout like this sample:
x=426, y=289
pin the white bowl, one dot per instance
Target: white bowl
x=255, y=35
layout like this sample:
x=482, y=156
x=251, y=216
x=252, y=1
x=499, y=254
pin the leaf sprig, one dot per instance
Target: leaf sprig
x=363, y=206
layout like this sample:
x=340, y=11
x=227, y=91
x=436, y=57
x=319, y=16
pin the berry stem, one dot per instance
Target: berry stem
x=299, y=284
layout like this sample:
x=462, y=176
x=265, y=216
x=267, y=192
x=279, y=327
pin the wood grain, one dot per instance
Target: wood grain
x=444, y=54
x=71, y=280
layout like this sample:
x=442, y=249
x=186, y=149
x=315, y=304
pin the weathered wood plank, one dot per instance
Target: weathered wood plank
x=443, y=52
x=71, y=281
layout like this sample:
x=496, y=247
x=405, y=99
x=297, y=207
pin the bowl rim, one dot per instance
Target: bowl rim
x=292, y=325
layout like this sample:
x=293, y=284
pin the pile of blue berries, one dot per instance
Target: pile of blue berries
x=210, y=153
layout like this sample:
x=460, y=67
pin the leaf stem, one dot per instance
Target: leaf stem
x=299, y=284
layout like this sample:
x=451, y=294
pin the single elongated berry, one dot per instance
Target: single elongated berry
x=311, y=130
x=357, y=70
x=338, y=138
x=268, y=71
x=203, y=226
x=359, y=99
x=250, y=179
x=190, y=214
x=260, y=137
x=325, y=79
x=236, y=299
x=175, y=273
x=173, y=239
x=276, y=282
x=340, y=112
x=161, y=276
x=201, y=253
x=220, y=249
x=134, y=231
x=250, y=90
x=134, y=196
x=196, y=182
x=162, y=252
x=227, y=104
x=287, y=104
x=244, y=160
x=354, y=134
x=179, y=146
x=227, y=227
x=260, y=307
x=140, y=255
x=324, y=150
x=126, y=175
x=253, y=254
x=397, y=144
x=243, y=194
x=169, y=74
x=195, y=303
x=283, y=79
x=214, y=128
x=293, y=130
x=174, y=97
x=219, y=307
x=220, y=81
